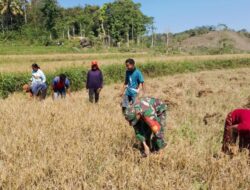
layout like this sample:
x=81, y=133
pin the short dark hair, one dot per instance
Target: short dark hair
x=62, y=77
x=35, y=66
x=130, y=61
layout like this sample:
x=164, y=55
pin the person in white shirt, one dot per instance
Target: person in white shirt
x=37, y=75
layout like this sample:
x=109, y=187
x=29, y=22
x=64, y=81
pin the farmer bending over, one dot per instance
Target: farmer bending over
x=237, y=125
x=134, y=81
x=148, y=118
x=38, y=90
x=60, y=86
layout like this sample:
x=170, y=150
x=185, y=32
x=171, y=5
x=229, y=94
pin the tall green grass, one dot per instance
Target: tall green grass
x=10, y=83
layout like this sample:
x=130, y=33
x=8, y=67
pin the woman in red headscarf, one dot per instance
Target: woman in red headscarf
x=237, y=125
x=94, y=82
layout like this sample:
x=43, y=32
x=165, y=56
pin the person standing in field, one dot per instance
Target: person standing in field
x=134, y=82
x=37, y=75
x=37, y=90
x=237, y=125
x=94, y=82
x=60, y=86
x=148, y=118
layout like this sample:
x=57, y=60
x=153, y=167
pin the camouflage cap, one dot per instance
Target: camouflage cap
x=130, y=115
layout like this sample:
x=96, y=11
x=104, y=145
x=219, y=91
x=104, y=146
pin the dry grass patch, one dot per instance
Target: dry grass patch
x=74, y=145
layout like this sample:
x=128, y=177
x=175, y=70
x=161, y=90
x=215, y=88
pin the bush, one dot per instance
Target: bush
x=10, y=83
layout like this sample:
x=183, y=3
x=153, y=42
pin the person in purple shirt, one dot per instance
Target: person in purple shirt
x=94, y=82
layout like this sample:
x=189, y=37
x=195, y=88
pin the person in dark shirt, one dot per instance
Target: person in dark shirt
x=60, y=86
x=94, y=82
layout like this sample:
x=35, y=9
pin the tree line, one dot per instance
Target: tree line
x=115, y=23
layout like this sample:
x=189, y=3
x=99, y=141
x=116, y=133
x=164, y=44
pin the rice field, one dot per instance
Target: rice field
x=52, y=62
x=72, y=144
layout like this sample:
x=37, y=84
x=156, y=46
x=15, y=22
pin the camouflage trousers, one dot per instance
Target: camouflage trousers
x=144, y=133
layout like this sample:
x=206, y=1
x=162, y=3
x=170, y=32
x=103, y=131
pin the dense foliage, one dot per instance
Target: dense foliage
x=42, y=21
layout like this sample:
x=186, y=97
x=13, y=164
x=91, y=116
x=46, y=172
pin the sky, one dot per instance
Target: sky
x=180, y=15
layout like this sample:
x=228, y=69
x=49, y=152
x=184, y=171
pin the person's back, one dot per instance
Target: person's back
x=148, y=117
x=241, y=117
x=39, y=90
x=237, y=125
x=150, y=106
x=60, y=86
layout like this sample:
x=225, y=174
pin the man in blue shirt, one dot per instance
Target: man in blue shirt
x=134, y=82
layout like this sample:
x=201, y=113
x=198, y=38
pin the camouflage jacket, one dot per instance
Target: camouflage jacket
x=148, y=108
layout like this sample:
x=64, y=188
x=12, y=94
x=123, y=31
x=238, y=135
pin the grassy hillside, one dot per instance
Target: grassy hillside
x=74, y=145
x=218, y=39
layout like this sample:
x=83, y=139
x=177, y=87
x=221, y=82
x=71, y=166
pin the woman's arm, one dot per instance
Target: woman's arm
x=228, y=137
x=87, y=82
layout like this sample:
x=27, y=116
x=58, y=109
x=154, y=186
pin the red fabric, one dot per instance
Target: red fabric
x=154, y=125
x=60, y=85
x=94, y=63
x=241, y=117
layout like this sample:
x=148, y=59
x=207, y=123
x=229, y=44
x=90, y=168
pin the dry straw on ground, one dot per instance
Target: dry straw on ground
x=74, y=145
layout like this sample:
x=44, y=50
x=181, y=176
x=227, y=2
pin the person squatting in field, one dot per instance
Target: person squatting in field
x=60, y=86
x=38, y=90
x=94, y=82
x=37, y=75
x=237, y=125
x=148, y=118
x=134, y=82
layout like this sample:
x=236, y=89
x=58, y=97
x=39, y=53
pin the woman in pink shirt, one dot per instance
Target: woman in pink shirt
x=237, y=125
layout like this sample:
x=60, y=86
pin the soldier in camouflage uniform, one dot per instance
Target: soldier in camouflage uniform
x=148, y=117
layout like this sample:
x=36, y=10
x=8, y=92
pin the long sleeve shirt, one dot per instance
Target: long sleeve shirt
x=239, y=117
x=94, y=79
x=38, y=77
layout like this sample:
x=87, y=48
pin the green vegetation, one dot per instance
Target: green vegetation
x=116, y=26
x=10, y=83
x=15, y=49
x=45, y=22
